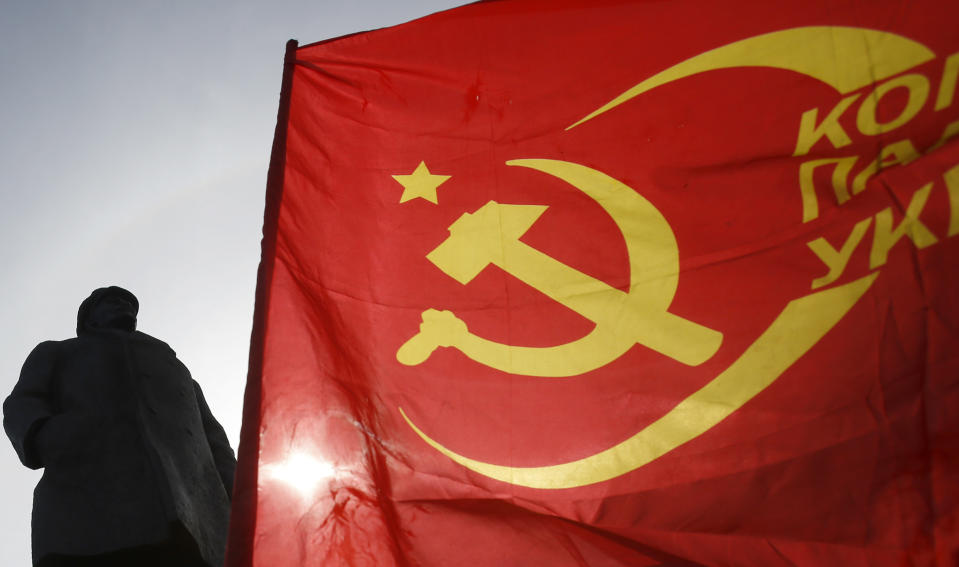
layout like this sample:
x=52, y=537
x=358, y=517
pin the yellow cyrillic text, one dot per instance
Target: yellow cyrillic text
x=886, y=234
x=952, y=185
x=949, y=132
x=836, y=261
x=810, y=132
x=866, y=119
x=884, y=237
x=897, y=153
x=947, y=86
x=840, y=184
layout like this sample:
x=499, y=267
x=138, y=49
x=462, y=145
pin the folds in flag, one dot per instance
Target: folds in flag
x=611, y=283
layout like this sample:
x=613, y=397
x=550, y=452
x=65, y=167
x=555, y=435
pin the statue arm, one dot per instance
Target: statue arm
x=31, y=403
x=223, y=455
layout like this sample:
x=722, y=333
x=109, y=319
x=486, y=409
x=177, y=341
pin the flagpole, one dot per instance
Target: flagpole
x=239, y=551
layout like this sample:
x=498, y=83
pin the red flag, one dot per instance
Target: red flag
x=612, y=283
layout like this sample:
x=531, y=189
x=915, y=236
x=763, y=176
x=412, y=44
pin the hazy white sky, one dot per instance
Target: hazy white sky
x=134, y=142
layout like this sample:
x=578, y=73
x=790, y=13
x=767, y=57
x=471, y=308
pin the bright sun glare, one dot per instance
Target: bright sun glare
x=302, y=471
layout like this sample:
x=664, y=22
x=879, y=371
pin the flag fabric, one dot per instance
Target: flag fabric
x=611, y=283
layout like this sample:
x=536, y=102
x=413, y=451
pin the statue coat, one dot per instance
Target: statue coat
x=128, y=445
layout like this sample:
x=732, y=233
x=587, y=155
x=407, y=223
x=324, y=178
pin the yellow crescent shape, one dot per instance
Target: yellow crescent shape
x=846, y=58
x=794, y=332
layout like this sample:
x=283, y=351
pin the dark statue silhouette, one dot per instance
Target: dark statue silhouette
x=136, y=469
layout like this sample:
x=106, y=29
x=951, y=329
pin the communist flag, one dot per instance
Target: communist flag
x=610, y=283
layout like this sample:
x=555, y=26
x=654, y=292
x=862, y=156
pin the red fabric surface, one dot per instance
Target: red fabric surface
x=848, y=456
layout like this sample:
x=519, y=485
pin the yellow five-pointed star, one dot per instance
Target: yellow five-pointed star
x=421, y=183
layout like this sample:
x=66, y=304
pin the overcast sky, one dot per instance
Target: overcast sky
x=134, y=142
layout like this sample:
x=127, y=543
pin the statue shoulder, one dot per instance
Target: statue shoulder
x=154, y=342
x=54, y=348
x=45, y=356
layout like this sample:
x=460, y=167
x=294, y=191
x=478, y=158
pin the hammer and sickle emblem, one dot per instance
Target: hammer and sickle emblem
x=491, y=234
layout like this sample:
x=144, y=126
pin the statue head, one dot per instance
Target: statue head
x=108, y=308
